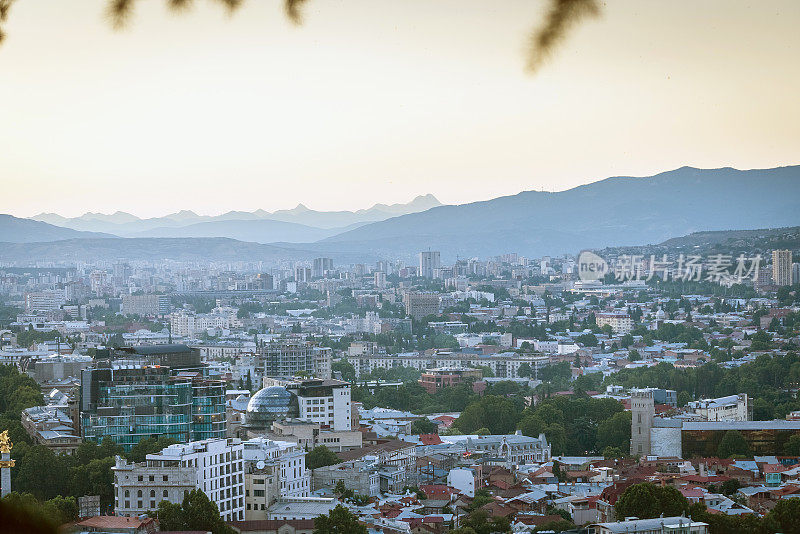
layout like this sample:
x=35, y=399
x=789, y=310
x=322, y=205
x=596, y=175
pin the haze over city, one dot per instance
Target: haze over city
x=399, y=267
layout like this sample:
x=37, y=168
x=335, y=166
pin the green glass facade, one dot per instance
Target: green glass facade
x=128, y=405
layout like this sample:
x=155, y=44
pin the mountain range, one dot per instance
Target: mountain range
x=127, y=225
x=16, y=230
x=618, y=211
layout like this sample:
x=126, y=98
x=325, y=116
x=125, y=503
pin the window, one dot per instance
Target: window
x=165, y=478
x=152, y=494
x=258, y=493
x=139, y=493
x=166, y=494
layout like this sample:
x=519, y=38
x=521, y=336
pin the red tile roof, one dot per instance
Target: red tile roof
x=430, y=439
x=115, y=522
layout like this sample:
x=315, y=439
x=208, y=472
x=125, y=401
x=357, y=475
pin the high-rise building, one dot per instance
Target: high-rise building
x=782, y=267
x=44, y=301
x=380, y=279
x=145, y=305
x=322, y=266
x=428, y=261
x=420, y=304
x=302, y=274
x=291, y=357
x=214, y=466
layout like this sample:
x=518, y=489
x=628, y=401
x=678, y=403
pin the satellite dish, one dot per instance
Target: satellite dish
x=260, y=465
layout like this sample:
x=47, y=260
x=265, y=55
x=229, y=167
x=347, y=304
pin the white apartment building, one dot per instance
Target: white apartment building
x=326, y=402
x=214, y=466
x=730, y=408
x=45, y=301
x=503, y=364
x=190, y=324
x=620, y=323
x=273, y=470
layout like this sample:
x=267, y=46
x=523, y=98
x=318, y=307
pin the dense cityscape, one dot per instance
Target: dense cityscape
x=399, y=267
x=511, y=393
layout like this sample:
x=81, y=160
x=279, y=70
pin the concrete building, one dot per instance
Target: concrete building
x=52, y=427
x=620, y=323
x=503, y=364
x=139, y=488
x=291, y=357
x=421, y=304
x=514, y=449
x=428, y=262
x=273, y=470
x=782, y=267
x=322, y=266
x=301, y=508
x=361, y=476
x=215, y=466
x=441, y=377
x=395, y=462
x=145, y=305
x=730, y=408
x=326, y=402
x=44, y=301
x=462, y=479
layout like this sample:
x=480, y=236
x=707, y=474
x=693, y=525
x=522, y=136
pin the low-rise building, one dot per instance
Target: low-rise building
x=52, y=427
x=273, y=470
x=214, y=466
x=441, y=377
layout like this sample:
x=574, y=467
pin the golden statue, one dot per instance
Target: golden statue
x=5, y=442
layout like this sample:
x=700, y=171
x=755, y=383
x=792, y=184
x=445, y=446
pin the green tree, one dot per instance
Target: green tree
x=339, y=521
x=498, y=414
x=615, y=432
x=346, y=368
x=524, y=370
x=647, y=500
x=733, y=444
x=587, y=340
x=423, y=425
x=94, y=478
x=684, y=398
x=42, y=473
x=784, y=517
x=170, y=516
x=320, y=456
x=200, y=513
x=792, y=447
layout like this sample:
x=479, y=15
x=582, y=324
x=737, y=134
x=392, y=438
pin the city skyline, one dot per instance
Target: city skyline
x=372, y=102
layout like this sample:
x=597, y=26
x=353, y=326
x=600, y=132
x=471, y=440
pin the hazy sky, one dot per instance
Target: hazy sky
x=379, y=101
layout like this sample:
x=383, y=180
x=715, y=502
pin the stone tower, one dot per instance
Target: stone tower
x=642, y=412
